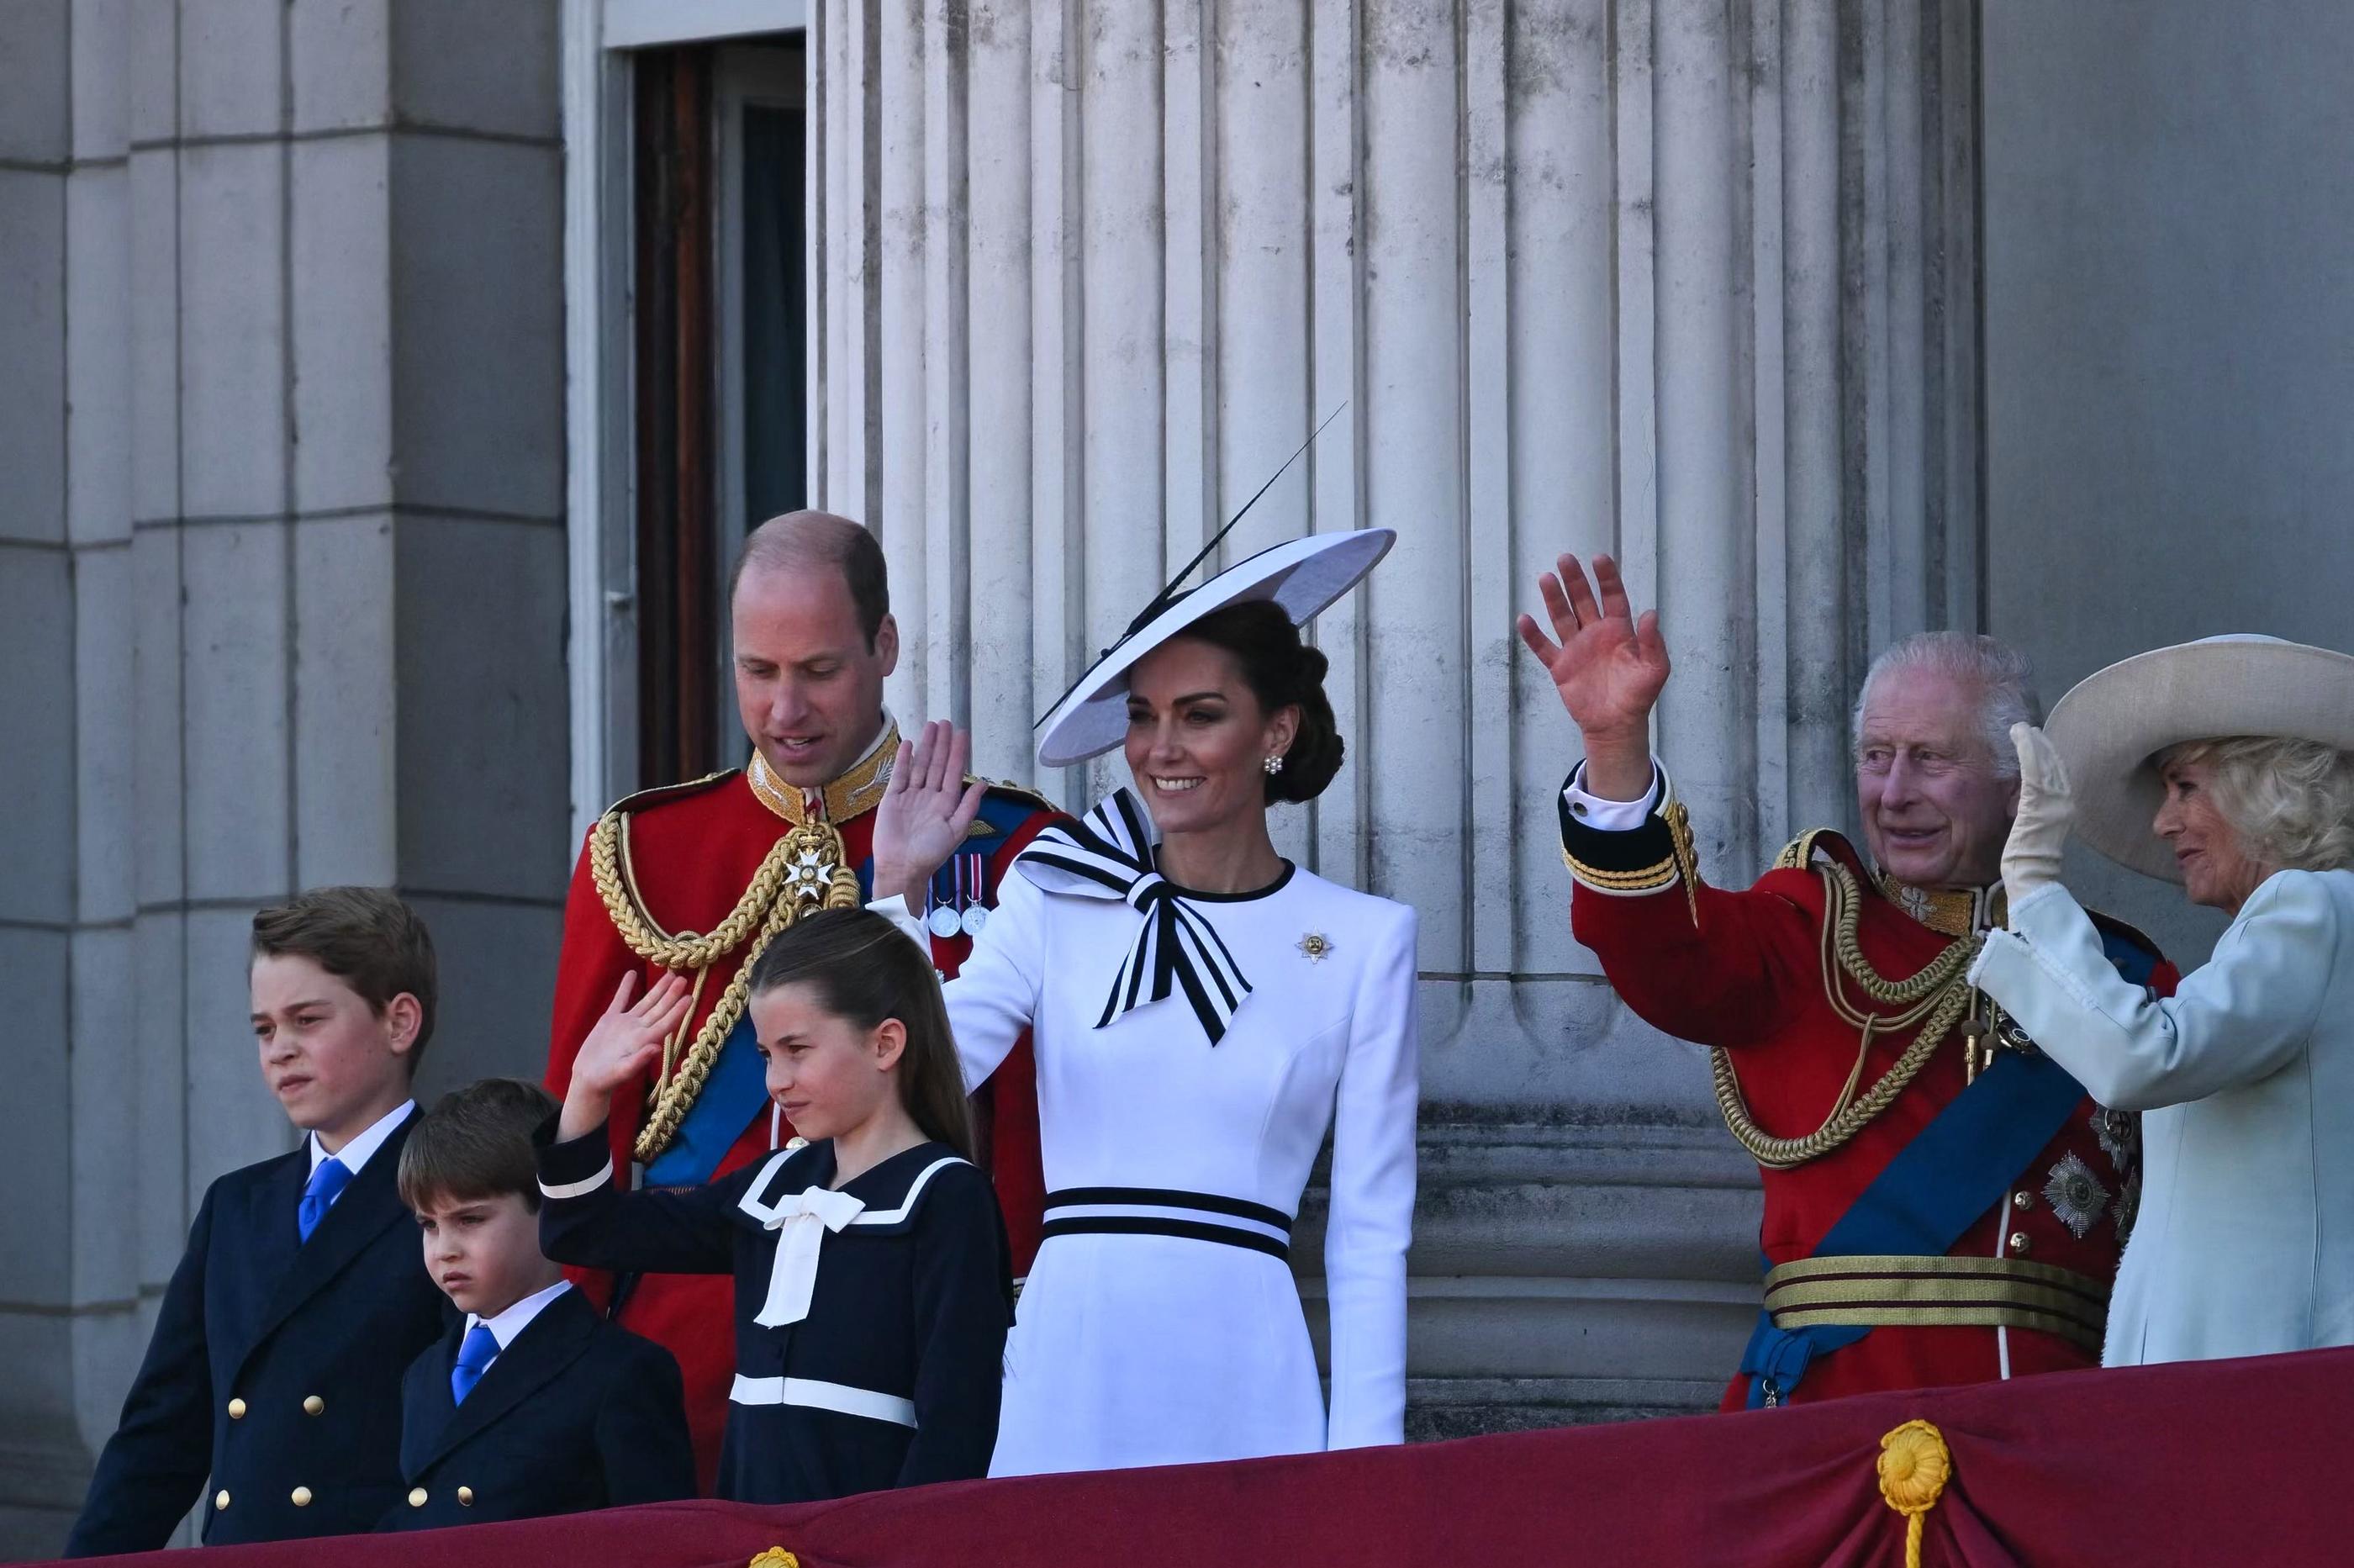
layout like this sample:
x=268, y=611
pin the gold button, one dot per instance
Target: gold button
x=302, y=1496
x=465, y=1497
x=416, y=1498
x=220, y=1500
x=237, y=1409
x=2018, y=1242
x=2022, y=1199
x=314, y=1406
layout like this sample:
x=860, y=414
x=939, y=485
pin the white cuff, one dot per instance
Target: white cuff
x=1611, y=816
x=578, y=1189
x=895, y=909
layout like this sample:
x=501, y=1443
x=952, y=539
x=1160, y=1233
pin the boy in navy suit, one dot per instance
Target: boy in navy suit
x=275, y=1366
x=536, y=1404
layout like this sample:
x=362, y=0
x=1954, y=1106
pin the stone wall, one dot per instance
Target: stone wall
x=282, y=598
x=1685, y=279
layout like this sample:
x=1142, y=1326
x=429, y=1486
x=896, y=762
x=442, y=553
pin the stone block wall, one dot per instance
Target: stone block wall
x=282, y=598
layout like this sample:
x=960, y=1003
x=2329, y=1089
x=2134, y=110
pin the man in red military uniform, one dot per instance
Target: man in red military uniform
x=1943, y=1202
x=694, y=879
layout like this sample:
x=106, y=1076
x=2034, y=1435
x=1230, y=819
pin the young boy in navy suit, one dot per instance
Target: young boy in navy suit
x=535, y=1405
x=275, y=1366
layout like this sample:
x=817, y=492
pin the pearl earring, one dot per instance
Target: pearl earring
x=1274, y=764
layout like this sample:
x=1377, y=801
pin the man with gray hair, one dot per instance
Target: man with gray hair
x=1944, y=1204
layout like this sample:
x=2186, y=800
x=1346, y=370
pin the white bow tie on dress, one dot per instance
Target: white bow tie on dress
x=802, y=1219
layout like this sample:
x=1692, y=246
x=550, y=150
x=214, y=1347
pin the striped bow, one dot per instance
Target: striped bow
x=1110, y=856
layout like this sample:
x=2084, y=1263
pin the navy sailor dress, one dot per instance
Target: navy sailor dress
x=870, y=1322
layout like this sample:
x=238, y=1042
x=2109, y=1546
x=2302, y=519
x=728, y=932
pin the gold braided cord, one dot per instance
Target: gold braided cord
x=609, y=844
x=1932, y=999
x=786, y=884
x=676, y=1096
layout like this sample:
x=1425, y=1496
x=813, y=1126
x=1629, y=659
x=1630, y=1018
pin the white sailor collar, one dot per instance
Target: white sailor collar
x=891, y=1192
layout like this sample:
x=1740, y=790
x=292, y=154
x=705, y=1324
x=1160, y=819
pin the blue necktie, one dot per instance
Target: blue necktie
x=479, y=1349
x=327, y=1184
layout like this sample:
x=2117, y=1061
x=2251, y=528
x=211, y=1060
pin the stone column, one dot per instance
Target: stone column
x=1685, y=279
x=282, y=599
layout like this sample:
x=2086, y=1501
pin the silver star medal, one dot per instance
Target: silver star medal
x=1315, y=947
x=2076, y=1195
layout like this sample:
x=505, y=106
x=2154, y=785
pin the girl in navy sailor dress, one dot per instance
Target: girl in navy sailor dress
x=872, y=1296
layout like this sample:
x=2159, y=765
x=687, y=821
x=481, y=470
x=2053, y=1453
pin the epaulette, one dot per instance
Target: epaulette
x=1004, y=808
x=1800, y=853
x=628, y=805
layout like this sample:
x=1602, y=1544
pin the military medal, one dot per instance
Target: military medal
x=944, y=920
x=976, y=912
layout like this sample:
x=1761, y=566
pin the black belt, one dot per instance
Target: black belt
x=1214, y=1226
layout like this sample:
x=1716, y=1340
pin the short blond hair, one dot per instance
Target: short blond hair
x=2291, y=802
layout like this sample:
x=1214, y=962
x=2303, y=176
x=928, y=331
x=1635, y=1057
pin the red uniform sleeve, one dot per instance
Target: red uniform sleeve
x=1691, y=960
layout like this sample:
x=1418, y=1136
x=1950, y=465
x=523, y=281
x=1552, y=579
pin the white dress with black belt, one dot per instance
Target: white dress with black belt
x=1161, y=1323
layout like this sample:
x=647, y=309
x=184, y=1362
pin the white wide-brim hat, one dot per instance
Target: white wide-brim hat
x=1303, y=576
x=2112, y=725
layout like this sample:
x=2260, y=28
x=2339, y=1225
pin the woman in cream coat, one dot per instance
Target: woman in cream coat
x=2226, y=764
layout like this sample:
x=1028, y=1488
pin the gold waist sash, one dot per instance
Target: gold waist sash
x=1938, y=1292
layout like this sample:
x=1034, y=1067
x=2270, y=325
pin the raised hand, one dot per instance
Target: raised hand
x=625, y=1041
x=1609, y=667
x=925, y=812
x=2047, y=809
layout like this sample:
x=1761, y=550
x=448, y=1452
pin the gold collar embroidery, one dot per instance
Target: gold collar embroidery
x=853, y=794
x=1950, y=911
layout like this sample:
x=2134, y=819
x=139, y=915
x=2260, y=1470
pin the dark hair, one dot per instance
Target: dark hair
x=803, y=540
x=863, y=969
x=365, y=938
x=1281, y=672
x=476, y=1143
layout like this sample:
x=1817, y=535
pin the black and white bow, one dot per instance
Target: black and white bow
x=1110, y=856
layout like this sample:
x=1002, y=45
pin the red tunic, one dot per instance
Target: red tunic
x=693, y=850
x=1746, y=973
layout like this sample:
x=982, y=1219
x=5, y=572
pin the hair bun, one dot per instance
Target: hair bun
x=1282, y=672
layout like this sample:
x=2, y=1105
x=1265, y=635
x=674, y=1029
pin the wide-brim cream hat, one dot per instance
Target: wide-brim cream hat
x=2112, y=725
x=1303, y=576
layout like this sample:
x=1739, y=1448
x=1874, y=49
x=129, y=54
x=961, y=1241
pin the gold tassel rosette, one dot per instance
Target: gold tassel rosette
x=1914, y=1466
x=808, y=868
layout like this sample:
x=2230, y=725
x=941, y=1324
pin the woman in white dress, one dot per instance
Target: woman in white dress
x=1202, y=1011
x=2226, y=764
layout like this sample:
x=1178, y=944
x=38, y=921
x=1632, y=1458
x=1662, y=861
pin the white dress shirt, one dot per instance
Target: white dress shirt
x=515, y=1318
x=1609, y=816
x=356, y=1153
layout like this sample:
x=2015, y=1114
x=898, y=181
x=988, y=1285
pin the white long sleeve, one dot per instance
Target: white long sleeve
x=995, y=996
x=2249, y=1010
x=1373, y=1197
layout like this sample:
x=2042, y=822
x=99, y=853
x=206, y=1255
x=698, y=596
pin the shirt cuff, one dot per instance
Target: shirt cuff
x=895, y=909
x=1609, y=816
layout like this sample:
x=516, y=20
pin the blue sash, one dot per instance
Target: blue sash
x=1955, y=1169
x=734, y=1097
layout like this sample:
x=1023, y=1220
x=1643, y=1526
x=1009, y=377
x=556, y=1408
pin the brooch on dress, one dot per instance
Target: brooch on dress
x=1314, y=946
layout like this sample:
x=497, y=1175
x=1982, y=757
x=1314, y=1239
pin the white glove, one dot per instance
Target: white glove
x=2031, y=858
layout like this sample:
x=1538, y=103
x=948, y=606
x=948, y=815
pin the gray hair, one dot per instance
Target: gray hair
x=2291, y=802
x=2004, y=677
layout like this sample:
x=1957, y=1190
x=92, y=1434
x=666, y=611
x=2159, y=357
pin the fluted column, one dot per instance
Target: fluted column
x=1684, y=279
